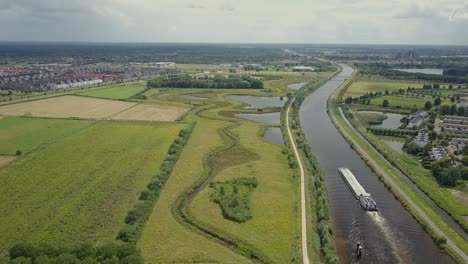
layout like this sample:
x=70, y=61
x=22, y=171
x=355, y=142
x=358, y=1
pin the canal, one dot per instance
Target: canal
x=390, y=235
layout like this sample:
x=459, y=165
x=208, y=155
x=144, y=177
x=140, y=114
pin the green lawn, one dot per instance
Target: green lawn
x=26, y=134
x=358, y=88
x=403, y=101
x=80, y=189
x=120, y=91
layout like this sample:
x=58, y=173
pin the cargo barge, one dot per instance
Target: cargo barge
x=365, y=200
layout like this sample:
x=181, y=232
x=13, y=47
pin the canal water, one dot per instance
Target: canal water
x=390, y=235
x=258, y=101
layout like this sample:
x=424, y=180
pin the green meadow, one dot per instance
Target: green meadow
x=79, y=189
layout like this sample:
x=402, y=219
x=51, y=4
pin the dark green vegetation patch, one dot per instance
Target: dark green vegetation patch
x=233, y=198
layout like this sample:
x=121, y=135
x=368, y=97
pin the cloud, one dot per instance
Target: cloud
x=460, y=13
x=195, y=6
x=416, y=9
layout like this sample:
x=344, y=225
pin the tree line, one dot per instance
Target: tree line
x=216, y=82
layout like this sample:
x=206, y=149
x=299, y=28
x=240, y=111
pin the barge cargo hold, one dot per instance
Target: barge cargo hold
x=365, y=200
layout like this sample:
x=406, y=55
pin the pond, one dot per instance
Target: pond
x=258, y=101
x=191, y=97
x=425, y=71
x=394, y=142
x=392, y=120
x=269, y=118
x=297, y=86
x=274, y=136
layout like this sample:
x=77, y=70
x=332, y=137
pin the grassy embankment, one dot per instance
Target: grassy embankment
x=79, y=189
x=223, y=148
x=445, y=227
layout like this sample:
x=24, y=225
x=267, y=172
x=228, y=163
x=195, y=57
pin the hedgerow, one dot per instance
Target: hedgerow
x=137, y=217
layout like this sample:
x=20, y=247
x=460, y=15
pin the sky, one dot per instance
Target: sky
x=237, y=21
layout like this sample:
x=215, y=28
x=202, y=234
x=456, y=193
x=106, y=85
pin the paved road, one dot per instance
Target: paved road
x=426, y=218
x=305, y=254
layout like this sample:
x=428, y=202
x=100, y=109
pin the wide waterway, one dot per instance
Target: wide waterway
x=390, y=235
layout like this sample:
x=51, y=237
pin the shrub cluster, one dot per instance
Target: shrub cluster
x=137, y=217
x=392, y=132
x=118, y=253
x=217, y=82
x=234, y=198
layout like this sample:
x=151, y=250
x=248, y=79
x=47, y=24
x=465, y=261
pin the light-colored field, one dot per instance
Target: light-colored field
x=359, y=88
x=67, y=107
x=143, y=112
x=26, y=134
x=4, y=159
x=120, y=91
x=404, y=101
x=79, y=189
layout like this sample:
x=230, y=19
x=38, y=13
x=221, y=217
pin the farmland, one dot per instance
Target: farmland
x=91, y=108
x=149, y=113
x=120, y=91
x=26, y=134
x=66, y=107
x=96, y=178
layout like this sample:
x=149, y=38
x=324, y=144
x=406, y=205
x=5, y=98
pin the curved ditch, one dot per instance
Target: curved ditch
x=184, y=200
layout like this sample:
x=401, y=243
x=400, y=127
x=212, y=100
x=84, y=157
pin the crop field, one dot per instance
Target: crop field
x=149, y=113
x=117, y=91
x=67, y=107
x=403, y=101
x=79, y=189
x=26, y=134
x=272, y=230
x=4, y=159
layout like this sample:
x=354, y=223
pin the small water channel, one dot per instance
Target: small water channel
x=258, y=101
x=266, y=119
x=274, y=136
x=394, y=142
x=392, y=121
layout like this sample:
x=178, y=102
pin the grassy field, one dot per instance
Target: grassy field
x=80, y=189
x=358, y=88
x=372, y=118
x=119, y=91
x=26, y=134
x=407, y=102
x=273, y=229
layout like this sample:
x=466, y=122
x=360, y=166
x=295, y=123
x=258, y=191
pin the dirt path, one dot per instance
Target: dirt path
x=305, y=254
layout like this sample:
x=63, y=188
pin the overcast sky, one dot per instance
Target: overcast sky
x=246, y=21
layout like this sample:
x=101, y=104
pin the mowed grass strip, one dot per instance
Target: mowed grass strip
x=80, y=189
x=26, y=134
x=120, y=91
